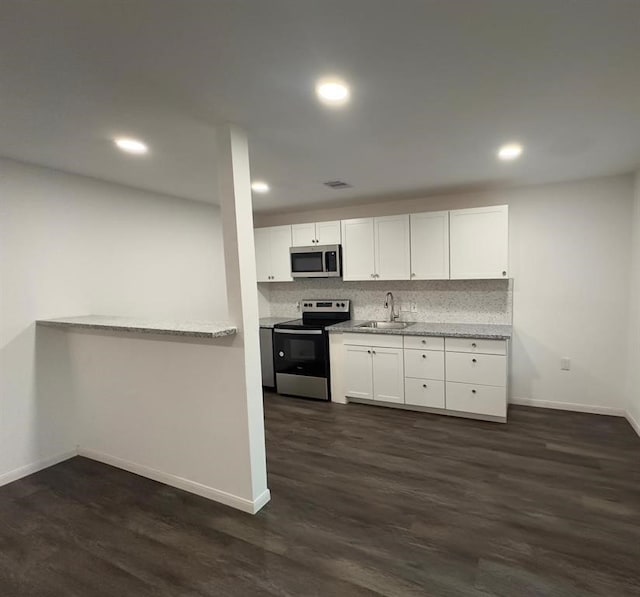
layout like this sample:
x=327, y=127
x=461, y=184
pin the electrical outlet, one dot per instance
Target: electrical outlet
x=414, y=307
x=565, y=363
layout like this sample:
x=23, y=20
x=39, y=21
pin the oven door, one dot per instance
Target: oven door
x=302, y=363
x=307, y=262
x=301, y=352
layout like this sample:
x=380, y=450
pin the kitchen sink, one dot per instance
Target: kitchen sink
x=385, y=325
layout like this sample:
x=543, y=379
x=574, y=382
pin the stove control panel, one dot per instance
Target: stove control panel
x=326, y=306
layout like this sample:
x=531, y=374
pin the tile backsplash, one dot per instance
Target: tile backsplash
x=446, y=301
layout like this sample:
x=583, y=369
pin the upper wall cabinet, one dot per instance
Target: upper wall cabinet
x=430, y=246
x=479, y=243
x=376, y=248
x=272, y=254
x=320, y=233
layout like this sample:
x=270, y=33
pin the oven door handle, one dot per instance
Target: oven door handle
x=299, y=332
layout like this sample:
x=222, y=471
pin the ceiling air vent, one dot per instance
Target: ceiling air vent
x=337, y=184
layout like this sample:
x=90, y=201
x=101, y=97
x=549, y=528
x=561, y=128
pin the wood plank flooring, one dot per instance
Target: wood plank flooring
x=365, y=501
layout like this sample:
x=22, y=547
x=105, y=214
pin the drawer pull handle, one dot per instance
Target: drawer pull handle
x=474, y=361
x=473, y=391
x=473, y=344
x=424, y=385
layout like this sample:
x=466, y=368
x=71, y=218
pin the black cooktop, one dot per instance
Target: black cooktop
x=318, y=314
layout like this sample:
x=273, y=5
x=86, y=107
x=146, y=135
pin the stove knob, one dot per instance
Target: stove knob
x=281, y=354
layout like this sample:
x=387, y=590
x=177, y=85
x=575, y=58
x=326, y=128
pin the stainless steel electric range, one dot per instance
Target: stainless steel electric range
x=301, y=349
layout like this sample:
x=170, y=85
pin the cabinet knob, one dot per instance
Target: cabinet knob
x=473, y=391
x=373, y=275
x=474, y=361
x=424, y=385
x=369, y=351
x=373, y=351
x=424, y=356
x=413, y=275
x=424, y=341
x=504, y=273
x=473, y=344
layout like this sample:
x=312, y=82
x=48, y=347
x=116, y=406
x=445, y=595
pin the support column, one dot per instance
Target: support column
x=234, y=180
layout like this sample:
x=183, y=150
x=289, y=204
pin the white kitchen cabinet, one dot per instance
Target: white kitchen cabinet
x=476, y=399
x=359, y=368
x=388, y=374
x=272, y=254
x=262, y=240
x=424, y=364
x=303, y=235
x=376, y=248
x=457, y=376
x=479, y=243
x=392, y=248
x=358, y=260
x=328, y=233
x=430, y=246
x=424, y=392
x=375, y=372
x=318, y=233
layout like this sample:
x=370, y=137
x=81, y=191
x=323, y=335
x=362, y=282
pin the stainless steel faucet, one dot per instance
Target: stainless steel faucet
x=389, y=303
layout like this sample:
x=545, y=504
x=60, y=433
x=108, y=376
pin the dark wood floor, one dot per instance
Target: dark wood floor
x=366, y=501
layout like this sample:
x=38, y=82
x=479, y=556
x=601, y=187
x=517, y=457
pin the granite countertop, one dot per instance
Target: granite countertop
x=489, y=331
x=269, y=322
x=194, y=329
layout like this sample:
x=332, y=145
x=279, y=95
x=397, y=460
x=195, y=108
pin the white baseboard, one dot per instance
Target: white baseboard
x=572, y=406
x=34, y=467
x=211, y=493
x=633, y=422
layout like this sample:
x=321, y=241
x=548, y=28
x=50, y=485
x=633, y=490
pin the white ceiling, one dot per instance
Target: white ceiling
x=437, y=86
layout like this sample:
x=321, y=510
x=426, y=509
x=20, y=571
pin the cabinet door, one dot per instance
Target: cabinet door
x=328, y=233
x=358, y=249
x=358, y=368
x=388, y=374
x=479, y=242
x=262, y=239
x=280, y=260
x=430, y=246
x=303, y=235
x=392, y=250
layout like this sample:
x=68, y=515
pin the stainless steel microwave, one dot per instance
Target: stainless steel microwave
x=322, y=261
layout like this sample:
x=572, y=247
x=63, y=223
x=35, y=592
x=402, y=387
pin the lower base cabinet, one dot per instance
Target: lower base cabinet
x=477, y=399
x=375, y=371
x=459, y=375
x=424, y=392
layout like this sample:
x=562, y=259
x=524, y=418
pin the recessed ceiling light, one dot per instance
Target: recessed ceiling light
x=510, y=151
x=333, y=92
x=259, y=186
x=131, y=145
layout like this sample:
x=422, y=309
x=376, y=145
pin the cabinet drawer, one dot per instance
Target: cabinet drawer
x=476, y=345
x=424, y=392
x=424, y=342
x=478, y=399
x=382, y=340
x=486, y=369
x=424, y=364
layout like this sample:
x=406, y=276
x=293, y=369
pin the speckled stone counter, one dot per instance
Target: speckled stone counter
x=193, y=329
x=269, y=322
x=487, y=331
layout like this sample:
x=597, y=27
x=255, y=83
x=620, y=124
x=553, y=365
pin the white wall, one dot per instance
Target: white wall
x=633, y=377
x=70, y=246
x=570, y=262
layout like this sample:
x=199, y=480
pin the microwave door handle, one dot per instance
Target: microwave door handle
x=325, y=262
